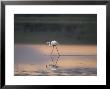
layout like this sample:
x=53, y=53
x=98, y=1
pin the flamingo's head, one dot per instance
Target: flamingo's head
x=49, y=43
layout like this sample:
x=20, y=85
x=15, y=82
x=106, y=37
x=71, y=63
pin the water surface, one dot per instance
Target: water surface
x=75, y=60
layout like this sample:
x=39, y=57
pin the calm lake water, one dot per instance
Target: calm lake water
x=75, y=60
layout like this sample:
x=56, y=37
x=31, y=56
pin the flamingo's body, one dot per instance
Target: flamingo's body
x=52, y=43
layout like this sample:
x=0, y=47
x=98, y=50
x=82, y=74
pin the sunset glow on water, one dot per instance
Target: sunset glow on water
x=75, y=60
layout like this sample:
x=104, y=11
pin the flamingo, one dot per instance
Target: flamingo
x=54, y=45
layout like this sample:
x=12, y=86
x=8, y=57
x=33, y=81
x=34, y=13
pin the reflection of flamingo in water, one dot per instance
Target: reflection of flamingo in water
x=54, y=45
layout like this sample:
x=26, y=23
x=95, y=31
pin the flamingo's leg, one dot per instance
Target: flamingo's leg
x=52, y=53
x=46, y=66
x=52, y=50
x=58, y=55
x=57, y=51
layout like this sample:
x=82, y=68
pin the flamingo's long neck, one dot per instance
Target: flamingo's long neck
x=49, y=43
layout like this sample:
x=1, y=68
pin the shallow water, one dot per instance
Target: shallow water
x=75, y=60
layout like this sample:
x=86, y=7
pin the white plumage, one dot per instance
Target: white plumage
x=52, y=43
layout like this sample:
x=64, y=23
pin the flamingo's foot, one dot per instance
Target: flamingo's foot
x=52, y=67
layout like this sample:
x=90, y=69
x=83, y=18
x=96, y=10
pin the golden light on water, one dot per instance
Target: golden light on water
x=78, y=63
x=65, y=62
x=69, y=49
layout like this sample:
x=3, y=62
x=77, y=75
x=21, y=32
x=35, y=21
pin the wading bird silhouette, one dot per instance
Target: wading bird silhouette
x=54, y=45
